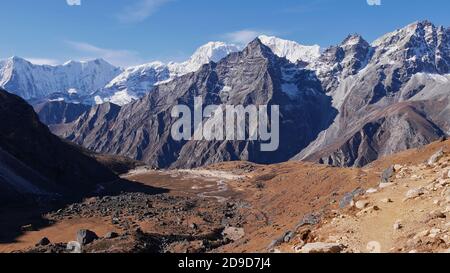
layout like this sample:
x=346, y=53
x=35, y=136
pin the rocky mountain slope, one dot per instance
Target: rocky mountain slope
x=404, y=71
x=142, y=129
x=34, y=162
x=137, y=81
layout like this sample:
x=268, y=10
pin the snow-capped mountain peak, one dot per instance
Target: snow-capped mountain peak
x=135, y=81
x=418, y=46
x=210, y=52
x=291, y=50
x=30, y=80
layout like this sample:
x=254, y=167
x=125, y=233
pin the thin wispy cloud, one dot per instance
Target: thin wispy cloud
x=374, y=2
x=73, y=2
x=243, y=37
x=140, y=10
x=119, y=57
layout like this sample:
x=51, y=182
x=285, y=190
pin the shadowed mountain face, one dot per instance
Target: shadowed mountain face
x=142, y=129
x=59, y=112
x=35, y=162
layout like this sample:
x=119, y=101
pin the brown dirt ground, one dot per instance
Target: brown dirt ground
x=279, y=196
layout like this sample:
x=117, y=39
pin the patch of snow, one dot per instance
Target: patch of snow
x=72, y=91
x=122, y=98
x=57, y=99
x=226, y=89
x=98, y=100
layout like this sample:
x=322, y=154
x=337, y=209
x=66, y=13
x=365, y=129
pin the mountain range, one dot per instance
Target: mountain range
x=346, y=106
x=31, y=81
x=95, y=82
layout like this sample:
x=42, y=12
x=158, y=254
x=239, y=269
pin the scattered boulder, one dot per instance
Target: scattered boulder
x=386, y=200
x=371, y=190
x=27, y=228
x=298, y=247
x=435, y=157
x=289, y=236
x=308, y=220
x=322, y=248
x=368, y=210
x=398, y=225
x=233, y=233
x=111, y=235
x=397, y=167
x=73, y=247
x=361, y=204
x=115, y=221
x=348, y=197
x=434, y=215
x=387, y=174
x=85, y=236
x=43, y=242
x=373, y=247
x=435, y=231
x=413, y=193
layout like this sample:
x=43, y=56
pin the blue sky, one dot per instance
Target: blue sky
x=127, y=32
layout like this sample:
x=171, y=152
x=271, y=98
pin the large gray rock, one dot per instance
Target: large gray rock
x=85, y=237
x=387, y=174
x=73, y=247
x=43, y=242
x=435, y=157
x=233, y=233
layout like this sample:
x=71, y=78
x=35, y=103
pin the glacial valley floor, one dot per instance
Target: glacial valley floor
x=244, y=207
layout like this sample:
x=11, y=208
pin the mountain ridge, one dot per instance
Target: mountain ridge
x=357, y=85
